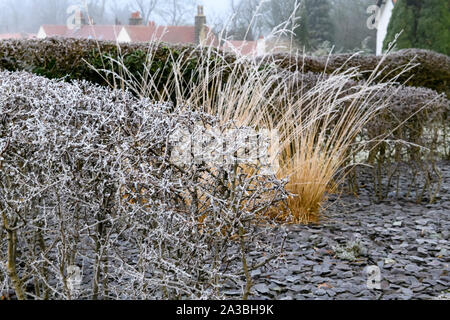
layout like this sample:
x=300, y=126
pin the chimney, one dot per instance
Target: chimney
x=135, y=19
x=200, y=22
x=79, y=19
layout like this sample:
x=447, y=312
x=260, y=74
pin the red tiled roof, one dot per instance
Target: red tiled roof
x=211, y=39
x=16, y=36
x=178, y=34
x=54, y=30
x=100, y=32
x=10, y=36
x=171, y=34
x=244, y=47
x=141, y=33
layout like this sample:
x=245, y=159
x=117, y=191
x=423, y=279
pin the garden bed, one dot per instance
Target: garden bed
x=409, y=242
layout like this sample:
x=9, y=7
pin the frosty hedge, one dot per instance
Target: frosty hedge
x=56, y=58
x=432, y=70
x=86, y=180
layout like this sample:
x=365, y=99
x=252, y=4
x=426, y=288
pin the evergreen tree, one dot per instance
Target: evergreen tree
x=320, y=25
x=302, y=31
x=433, y=26
x=350, y=26
x=425, y=25
x=313, y=18
x=403, y=19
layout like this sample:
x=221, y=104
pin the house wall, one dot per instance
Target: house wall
x=261, y=47
x=383, y=21
x=41, y=34
x=123, y=36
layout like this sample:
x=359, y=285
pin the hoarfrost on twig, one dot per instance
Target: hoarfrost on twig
x=86, y=182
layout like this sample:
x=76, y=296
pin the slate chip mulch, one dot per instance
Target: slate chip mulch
x=408, y=242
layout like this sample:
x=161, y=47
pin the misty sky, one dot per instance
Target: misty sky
x=214, y=6
x=348, y=17
x=28, y=15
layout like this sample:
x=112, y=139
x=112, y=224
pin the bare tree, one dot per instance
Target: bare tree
x=28, y=15
x=245, y=22
x=177, y=12
x=119, y=11
x=350, y=21
x=11, y=15
x=97, y=10
x=217, y=22
x=4, y=21
x=52, y=11
x=146, y=7
x=278, y=12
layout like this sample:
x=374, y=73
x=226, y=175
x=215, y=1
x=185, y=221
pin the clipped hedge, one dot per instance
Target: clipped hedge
x=433, y=71
x=76, y=59
x=415, y=137
x=57, y=58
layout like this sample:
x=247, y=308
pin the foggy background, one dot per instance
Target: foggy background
x=338, y=23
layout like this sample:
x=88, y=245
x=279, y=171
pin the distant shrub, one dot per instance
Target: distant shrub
x=432, y=71
x=87, y=179
x=414, y=131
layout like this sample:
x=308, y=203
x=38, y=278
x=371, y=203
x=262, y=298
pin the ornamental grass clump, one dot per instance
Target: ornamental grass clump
x=317, y=117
